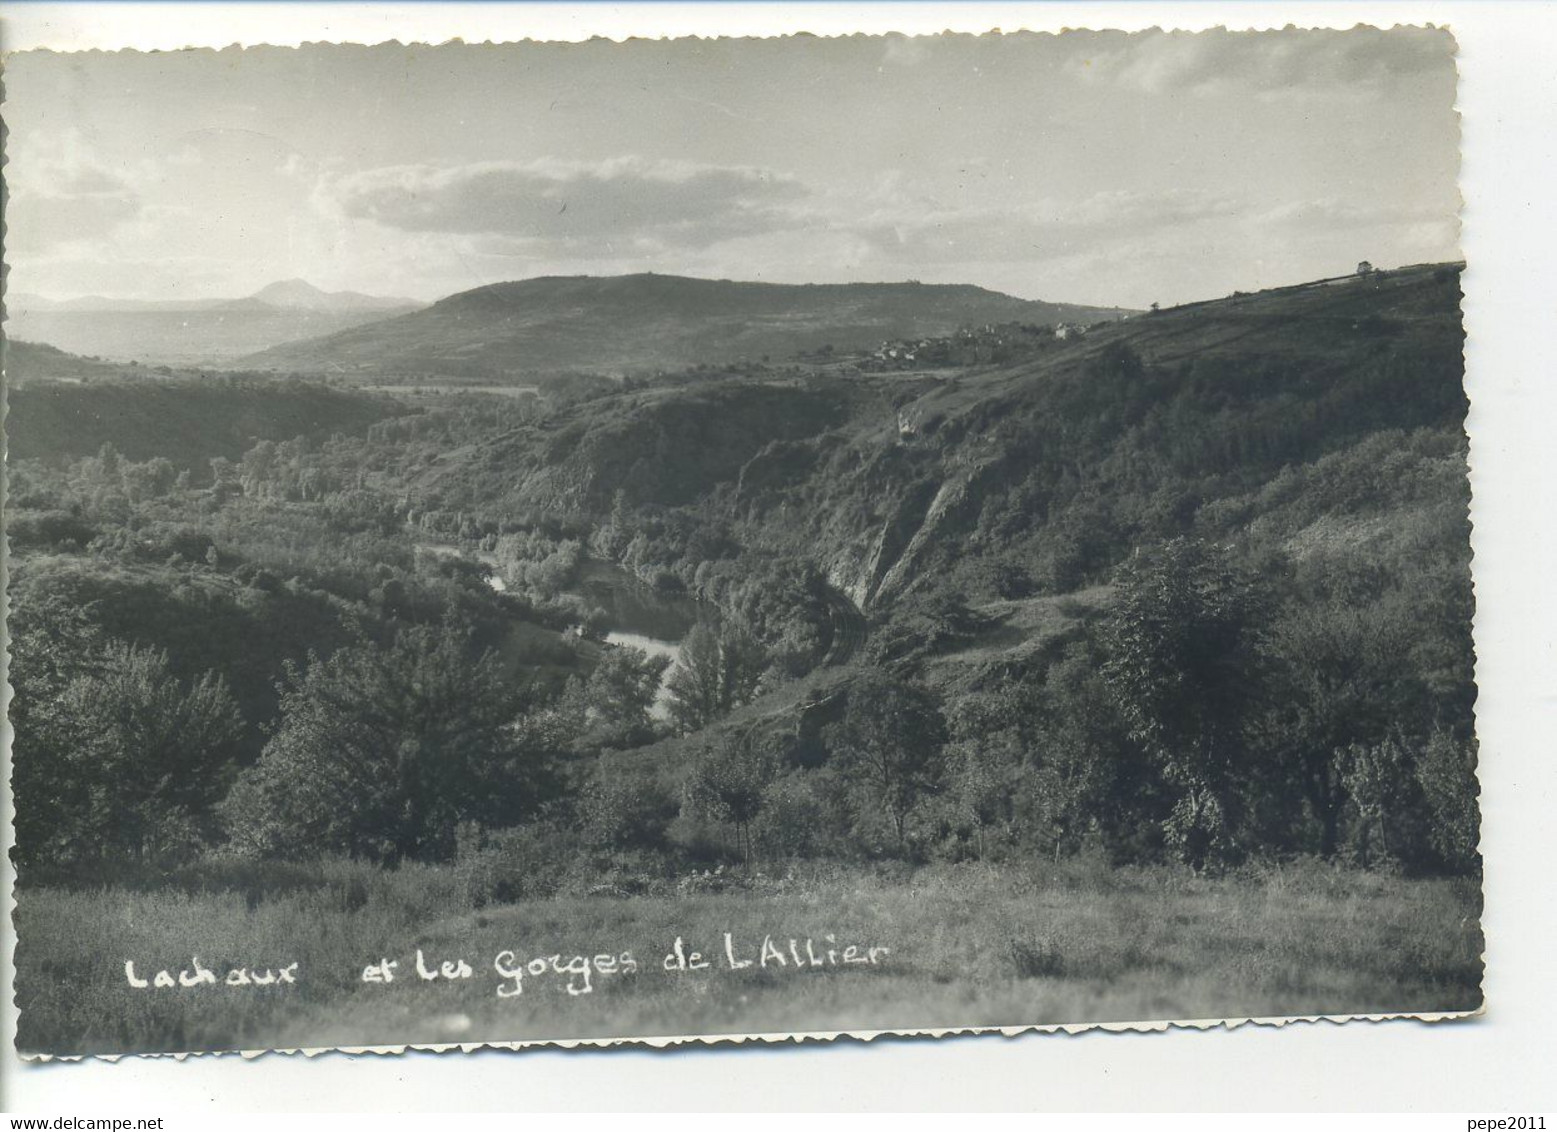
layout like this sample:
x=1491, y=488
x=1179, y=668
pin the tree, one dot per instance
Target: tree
x=983, y=774
x=889, y=742
x=719, y=670
x=1342, y=679
x=114, y=754
x=53, y=641
x=149, y=480
x=619, y=696
x=1446, y=772
x=1182, y=665
x=625, y=814
x=1084, y=773
x=610, y=538
x=107, y=469
x=1379, y=782
x=729, y=785
x=383, y=749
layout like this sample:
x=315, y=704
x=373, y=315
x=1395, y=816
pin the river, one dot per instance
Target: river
x=637, y=615
x=485, y=557
x=640, y=616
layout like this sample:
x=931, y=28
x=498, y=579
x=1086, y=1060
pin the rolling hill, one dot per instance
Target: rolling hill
x=29, y=362
x=643, y=323
x=1041, y=474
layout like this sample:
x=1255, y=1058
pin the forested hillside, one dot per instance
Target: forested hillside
x=1049, y=470
x=1192, y=587
x=187, y=419
x=1283, y=472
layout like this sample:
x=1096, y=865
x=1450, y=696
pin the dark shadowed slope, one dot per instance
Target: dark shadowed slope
x=63, y=407
x=1037, y=476
x=639, y=323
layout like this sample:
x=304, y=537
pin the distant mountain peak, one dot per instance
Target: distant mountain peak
x=290, y=292
x=299, y=294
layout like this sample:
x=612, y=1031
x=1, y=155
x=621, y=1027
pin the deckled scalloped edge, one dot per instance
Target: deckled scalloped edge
x=670, y=1043
x=715, y=1041
x=593, y=38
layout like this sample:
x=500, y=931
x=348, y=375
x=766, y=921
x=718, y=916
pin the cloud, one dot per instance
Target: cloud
x=63, y=196
x=1023, y=231
x=1118, y=246
x=79, y=269
x=1131, y=211
x=626, y=200
x=1269, y=64
x=1333, y=214
x=659, y=213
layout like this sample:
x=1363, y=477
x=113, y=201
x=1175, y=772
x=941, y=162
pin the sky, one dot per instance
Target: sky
x=1105, y=168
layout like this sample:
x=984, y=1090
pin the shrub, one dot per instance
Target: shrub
x=618, y=814
x=48, y=529
x=1035, y=956
x=524, y=863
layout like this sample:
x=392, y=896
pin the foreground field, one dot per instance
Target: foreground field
x=943, y=947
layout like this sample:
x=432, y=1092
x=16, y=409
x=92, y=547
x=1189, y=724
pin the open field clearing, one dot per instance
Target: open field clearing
x=965, y=946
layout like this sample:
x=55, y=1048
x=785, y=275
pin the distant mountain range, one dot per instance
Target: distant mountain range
x=295, y=294
x=288, y=295
x=638, y=323
x=192, y=332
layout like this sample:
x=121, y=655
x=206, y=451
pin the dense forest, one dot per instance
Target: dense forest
x=1191, y=587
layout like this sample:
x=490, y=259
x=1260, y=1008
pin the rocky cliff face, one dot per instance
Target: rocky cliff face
x=1037, y=474
x=664, y=447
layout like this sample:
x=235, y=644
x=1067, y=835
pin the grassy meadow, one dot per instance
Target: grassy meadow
x=968, y=945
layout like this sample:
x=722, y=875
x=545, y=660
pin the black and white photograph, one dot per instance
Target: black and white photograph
x=673, y=540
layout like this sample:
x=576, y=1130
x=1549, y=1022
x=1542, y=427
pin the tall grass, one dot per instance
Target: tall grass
x=969, y=945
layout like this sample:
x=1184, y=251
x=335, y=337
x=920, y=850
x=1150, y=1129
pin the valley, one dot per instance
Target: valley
x=1174, y=605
